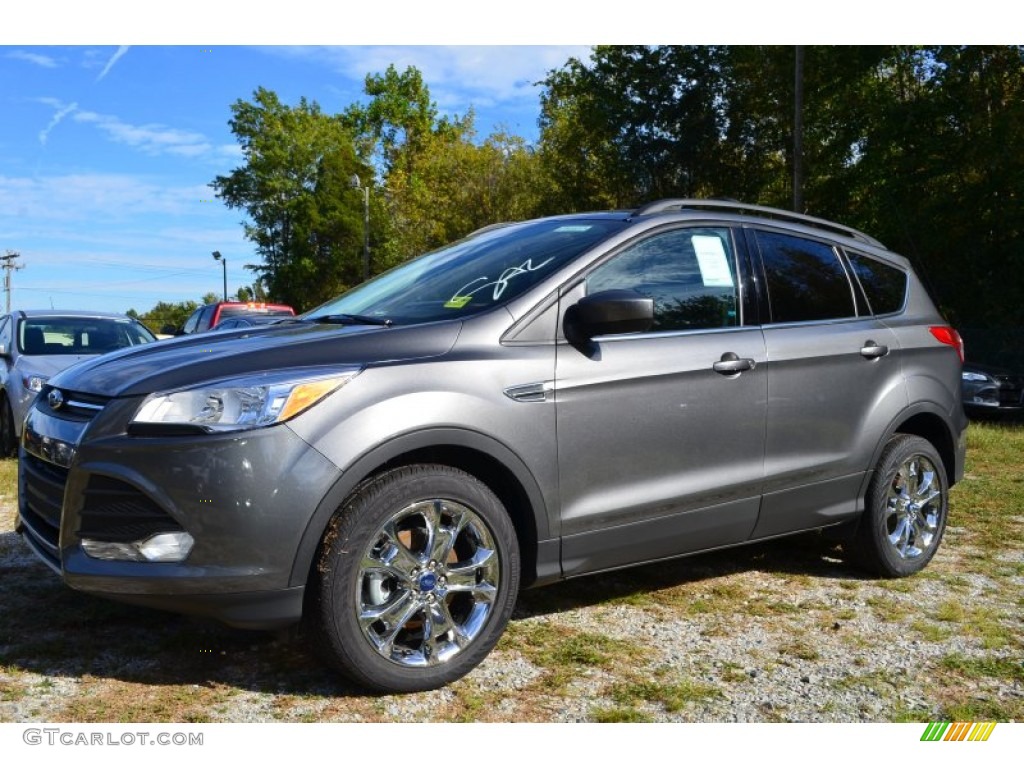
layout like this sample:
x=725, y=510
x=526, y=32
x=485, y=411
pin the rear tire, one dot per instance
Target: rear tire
x=907, y=506
x=417, y=577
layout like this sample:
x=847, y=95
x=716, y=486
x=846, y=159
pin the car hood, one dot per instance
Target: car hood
x=47, y=365
x=190, y=360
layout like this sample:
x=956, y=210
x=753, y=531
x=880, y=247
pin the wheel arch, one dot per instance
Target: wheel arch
x=933, y=428
x=491, y=462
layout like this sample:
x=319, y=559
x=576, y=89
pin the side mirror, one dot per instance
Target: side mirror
x=606, y=313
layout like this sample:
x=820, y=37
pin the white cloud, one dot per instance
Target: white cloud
x=93, y=198
x=457, y=75
x=121, y=51
x=153, y=138
x=63, y=110
x=34, y=58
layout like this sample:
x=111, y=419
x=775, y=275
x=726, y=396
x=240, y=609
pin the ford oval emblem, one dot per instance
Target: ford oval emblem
x=55, y=399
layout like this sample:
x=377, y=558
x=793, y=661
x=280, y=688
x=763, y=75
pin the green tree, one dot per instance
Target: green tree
x=439, y=181
x=166, y=314
x=295, y=187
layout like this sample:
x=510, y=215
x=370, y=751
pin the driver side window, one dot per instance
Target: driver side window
x=690, y=273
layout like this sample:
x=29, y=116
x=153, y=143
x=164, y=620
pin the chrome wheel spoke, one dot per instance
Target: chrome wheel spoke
x=443, y=543
x=900, y=536
x=385, y=641
x=391, y=613
x=398, y=554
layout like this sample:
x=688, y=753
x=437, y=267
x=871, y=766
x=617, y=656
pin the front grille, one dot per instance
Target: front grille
x=116, y=511
x=43, y=487
x=75, y=406
x=1011, y=389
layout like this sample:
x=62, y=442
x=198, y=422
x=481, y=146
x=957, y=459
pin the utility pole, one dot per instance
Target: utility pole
x=8, y=267
x=798, y=130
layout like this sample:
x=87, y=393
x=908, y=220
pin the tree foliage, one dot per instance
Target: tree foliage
x=166, y=314
x=295, y=187
x=921, y=146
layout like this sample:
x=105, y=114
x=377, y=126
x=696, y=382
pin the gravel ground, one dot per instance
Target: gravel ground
x=777, y=632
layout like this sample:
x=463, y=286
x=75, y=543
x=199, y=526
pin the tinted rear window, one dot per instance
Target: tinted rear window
x=806, y=280
x=883, y=284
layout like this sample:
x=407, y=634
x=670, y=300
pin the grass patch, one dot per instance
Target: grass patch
x=619, y=715
x=951, y=611
x=933, y=633
x=887, y=608
x=800, y=649
x=673, y=696
x=980, y=667
x=564, y=653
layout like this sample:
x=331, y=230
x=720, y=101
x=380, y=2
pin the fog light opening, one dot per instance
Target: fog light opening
x=158, y=548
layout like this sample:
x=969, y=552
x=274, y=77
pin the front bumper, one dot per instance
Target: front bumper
x=246, y=498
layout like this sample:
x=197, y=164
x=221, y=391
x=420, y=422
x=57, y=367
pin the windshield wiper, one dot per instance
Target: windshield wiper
x=352, y=320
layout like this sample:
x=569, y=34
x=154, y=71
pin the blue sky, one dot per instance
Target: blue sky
x=106, y=152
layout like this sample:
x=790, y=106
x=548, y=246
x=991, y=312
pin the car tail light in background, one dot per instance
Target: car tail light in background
x=948, y=335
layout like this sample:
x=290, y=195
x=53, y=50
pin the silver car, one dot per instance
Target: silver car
x=536, y=402
x=36, y=344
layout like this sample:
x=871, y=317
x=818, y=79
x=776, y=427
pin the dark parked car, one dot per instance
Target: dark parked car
x=990, y=392
x=538, y=401
x=211, y=315
x=36, y=344
x=248, y=321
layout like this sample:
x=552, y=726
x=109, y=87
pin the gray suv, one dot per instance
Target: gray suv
x=538, y=401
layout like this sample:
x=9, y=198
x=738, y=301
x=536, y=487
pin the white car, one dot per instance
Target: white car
x=36, y=344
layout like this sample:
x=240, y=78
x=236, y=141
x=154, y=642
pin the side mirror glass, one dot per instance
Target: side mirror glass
x=607, y=313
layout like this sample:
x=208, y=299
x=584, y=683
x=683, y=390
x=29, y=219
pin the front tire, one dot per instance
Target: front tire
x=907, y=506
x=418, y=575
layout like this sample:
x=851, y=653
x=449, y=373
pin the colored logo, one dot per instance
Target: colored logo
x=958, y=731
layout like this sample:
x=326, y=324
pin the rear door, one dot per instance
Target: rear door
x=660, y=454
x=834, y=380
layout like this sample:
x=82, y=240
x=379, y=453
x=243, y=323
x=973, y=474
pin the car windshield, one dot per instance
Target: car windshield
x=479, y=272
x=79, y=335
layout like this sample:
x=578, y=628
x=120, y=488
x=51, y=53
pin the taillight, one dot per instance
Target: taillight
x=948, y=335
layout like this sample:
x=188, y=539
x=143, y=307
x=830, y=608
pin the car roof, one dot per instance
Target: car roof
x=70, y=313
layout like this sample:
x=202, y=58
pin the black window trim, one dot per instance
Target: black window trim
x=906, y=280
x=764, y=299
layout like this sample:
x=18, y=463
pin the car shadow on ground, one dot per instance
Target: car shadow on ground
x=49, y=630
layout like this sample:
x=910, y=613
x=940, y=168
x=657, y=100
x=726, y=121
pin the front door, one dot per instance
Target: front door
x=659, y=453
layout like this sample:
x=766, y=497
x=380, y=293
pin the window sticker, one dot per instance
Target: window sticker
x=457, y=302
x=574, y=228
x=714, y=264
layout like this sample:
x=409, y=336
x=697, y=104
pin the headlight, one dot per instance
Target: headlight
x=33, y=382
x=246, y=402
x=971, y=376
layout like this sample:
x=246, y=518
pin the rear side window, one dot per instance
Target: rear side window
x=883, y=284
x=690, y=274
x=806, y=280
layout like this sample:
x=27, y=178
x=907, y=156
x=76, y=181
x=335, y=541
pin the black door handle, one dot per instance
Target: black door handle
x=873, y=351
x=732, y=363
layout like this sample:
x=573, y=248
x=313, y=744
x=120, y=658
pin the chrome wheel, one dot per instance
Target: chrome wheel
x=416, y=579
x=427, y=583
x=905, y=509
x=913, y=508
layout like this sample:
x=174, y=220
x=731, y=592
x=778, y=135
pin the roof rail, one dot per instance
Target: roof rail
x=673, y=204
